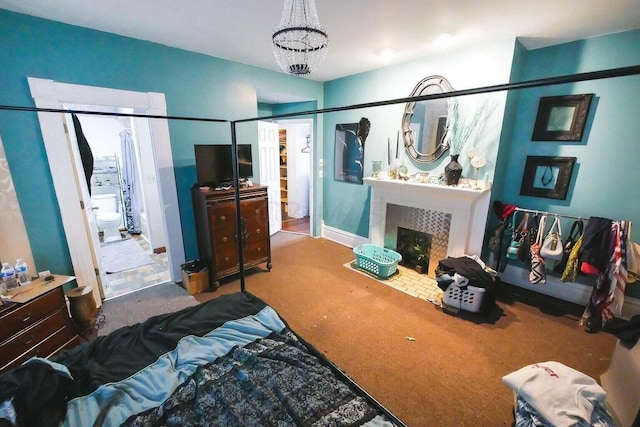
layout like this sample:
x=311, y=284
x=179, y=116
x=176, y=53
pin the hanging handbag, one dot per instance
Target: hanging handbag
x=552, y=244
x=532, y=231
x=570, y=273
x=538, y=275
x=513, y=251
x=576, y=231
x=526, y=240
x=633, y=257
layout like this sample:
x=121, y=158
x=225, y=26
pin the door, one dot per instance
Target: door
x=89, y=218
x=269, y=157
x=51, y=94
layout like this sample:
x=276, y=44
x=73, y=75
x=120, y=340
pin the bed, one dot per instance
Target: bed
x=231, y=361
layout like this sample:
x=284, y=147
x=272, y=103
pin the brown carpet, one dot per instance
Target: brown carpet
x=428, y=367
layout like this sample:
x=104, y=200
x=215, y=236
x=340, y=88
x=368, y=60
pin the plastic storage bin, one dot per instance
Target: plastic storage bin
x=377, y=260
x=469, y=299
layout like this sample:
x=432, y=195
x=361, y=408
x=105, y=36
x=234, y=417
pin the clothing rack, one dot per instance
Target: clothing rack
x=534, y=211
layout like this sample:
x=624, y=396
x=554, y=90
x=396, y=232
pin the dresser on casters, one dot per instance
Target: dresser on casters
x=36, y=322
x=215, y=217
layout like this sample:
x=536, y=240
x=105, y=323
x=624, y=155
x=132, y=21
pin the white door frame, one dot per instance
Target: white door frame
x=50, y=94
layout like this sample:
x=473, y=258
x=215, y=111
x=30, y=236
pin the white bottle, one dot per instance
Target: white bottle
x=8, y=276
x=22, y=272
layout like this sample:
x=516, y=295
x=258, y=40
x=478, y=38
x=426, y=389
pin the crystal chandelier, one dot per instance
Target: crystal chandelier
x=299, y=43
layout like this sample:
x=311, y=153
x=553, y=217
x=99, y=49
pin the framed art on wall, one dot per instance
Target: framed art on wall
x=348, y=154
x=562, y=118
x=547, y=176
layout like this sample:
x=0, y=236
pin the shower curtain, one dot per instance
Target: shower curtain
x=130, y=187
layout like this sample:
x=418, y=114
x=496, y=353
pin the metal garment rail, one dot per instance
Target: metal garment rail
x=534, y=211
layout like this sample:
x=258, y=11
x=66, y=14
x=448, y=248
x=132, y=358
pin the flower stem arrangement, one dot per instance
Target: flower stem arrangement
x=462, y=124
x=465, y=121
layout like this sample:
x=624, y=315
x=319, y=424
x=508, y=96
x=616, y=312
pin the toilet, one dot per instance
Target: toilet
x=108, y=219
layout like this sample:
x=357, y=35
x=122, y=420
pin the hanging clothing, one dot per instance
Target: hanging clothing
x=86, y=156
x=607, y=296
x=130, y=185
x=594, y=253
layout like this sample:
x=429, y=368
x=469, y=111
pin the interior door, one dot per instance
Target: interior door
x=269, y=157
x=89, y=218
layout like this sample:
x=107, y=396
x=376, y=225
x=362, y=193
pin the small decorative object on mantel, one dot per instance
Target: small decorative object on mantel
x=478, y=162
x=453, y=170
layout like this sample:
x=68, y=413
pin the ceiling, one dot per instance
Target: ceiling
x=359, y=30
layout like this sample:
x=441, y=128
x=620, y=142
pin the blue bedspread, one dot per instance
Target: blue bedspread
x=231, y=361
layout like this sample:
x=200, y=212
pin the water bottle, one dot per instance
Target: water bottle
x=8, y=276
x=22, y=272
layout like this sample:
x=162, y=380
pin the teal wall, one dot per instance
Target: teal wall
x=346, y=205
x=195, y=85
x=605, y=179
x=606, y=176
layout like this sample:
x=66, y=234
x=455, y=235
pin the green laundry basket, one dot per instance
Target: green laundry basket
x=377, y=260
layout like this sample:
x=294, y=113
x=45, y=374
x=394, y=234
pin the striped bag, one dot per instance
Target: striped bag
x=538, y=275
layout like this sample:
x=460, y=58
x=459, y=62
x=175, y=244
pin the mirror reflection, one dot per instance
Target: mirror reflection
x=424, y=124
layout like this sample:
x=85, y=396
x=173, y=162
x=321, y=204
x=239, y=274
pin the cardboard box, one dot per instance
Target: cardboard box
x=195, y=282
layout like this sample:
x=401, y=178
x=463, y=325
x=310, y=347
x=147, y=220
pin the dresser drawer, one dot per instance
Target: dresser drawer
x=61, y=339
x=256, y=252
x=222, y=215
x=30, y=313
x=30, y=337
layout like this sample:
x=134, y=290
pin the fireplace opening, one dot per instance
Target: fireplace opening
x=415, y=248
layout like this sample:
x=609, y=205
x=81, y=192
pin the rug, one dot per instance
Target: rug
x=123, y=255
x=408, y=281
x=138, y=306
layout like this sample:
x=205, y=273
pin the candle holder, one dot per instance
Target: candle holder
x=376, y=166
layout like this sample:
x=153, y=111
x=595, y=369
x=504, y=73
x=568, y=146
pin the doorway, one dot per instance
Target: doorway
x=72, y=202
x=296, y=160
x=133, y=251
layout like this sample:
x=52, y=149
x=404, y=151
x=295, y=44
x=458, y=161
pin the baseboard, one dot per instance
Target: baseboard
x=576, y=293
x=344, y=238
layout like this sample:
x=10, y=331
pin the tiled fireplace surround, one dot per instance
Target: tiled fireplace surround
x=456, y=217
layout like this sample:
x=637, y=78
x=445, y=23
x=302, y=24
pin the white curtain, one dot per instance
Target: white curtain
x=130, y=186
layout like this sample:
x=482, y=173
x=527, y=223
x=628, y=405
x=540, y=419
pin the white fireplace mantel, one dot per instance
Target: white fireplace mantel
x=468, y=209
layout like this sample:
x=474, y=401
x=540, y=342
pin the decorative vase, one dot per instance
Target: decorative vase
x=453, y=170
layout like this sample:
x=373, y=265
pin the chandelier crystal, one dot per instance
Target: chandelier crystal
x=299, y=43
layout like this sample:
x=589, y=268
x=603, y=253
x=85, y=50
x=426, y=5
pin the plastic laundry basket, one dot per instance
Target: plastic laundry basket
x=377, y=260
x=469, y=299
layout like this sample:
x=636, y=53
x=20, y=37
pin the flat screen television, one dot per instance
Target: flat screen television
x=214, y=165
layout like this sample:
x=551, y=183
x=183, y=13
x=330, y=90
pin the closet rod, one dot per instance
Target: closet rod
x=550, y=213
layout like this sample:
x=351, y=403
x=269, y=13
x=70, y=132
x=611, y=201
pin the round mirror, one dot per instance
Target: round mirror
x=424, y=124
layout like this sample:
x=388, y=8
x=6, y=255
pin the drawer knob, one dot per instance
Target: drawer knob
x=257, y=211
x=259, y=249
x=226, y=259
x=223, y=218
x=258, y=230
x=224, y=239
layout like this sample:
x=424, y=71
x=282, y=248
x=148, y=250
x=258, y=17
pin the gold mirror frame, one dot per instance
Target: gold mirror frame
x=425, y=139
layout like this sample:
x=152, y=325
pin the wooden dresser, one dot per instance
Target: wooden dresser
x=36, y=323
x=215, y=216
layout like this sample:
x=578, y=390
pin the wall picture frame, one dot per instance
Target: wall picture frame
x=348, y=154
x=562, y=118
x=547, y=176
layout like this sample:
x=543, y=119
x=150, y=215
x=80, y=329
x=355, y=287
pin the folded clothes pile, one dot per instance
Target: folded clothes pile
x=552, y=394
